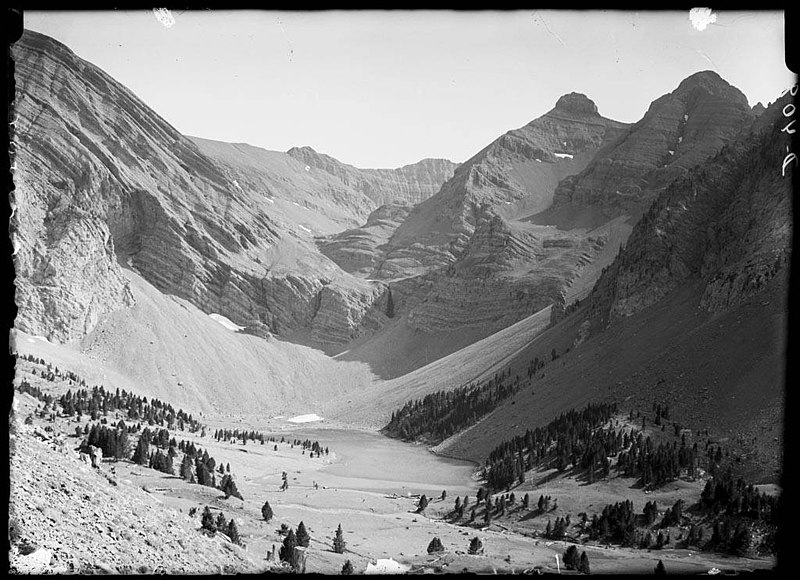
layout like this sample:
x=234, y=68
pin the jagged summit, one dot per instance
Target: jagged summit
x=576, y=104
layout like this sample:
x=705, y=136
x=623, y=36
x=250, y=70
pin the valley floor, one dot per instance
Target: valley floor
x=128, y=518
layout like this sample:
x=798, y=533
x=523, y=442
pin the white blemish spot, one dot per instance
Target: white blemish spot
x=539, y=160
x=701, y=18
x=680, y=139
x=226, y=322
x=305, y=418
x=686, y=117
x=671, y=152
x=563, y=155
x=164, y=16
x=308, y=168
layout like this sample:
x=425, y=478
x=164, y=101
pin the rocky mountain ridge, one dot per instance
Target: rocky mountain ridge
x=411, y=183
x=680, y=130
x=727, y=223
x=101, y=178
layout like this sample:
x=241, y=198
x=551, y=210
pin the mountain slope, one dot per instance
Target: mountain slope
x=100, y=178
x=680, y=130
x=692, y=313
x=518, y=170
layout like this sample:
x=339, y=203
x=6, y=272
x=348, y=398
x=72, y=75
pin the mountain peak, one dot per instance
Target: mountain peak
x=710, y=83
x=708, y=80
x=576, y=104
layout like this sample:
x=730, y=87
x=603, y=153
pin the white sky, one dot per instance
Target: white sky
x=384, y=89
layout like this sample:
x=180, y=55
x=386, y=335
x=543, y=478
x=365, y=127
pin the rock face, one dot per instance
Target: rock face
x=358, y=250
x=679, y=131
x=103, y=182
x=461, y=258
x=727, y=224
x=515, y=174
x=408, y=184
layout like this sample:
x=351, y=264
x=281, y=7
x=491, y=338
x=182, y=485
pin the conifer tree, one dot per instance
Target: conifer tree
x=266, y=511
x=338, y=541
x=583, y=566
x=302, y=535
x=423, y=503
x=475, y=546
x=347, y=569
x=140, y=454
x=222, y=523
x=286, y=553
x=571, y=558
x=233, y=532
x=660, y=570
x=435, y=546
x=186, y=468
x=207, y=521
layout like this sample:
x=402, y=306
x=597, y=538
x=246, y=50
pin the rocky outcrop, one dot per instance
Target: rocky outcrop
x=680, y=130
x=408, y=184
x=506, y=274
x=726, y=224
x=67, y=518
x=101, y=180
x=358, y=250
x=516, y=173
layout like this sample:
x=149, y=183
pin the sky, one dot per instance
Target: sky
x=388, y=88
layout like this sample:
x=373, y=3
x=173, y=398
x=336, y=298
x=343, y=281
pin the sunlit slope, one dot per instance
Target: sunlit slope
x=165, y=347
x=475, y=362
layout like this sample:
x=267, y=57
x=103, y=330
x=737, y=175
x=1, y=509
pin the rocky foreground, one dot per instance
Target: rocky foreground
x=67, y=517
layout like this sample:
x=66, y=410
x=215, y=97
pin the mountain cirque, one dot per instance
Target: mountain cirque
x=100, y=177
x=305, y=247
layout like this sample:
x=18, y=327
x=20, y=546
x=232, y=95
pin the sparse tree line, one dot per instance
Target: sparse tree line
x=741, y=519
x=570, y=438
x=197, y=465
x=580, y=440
x=244, y=436
x=98, y=400
x=211, y=525
x=438, y=415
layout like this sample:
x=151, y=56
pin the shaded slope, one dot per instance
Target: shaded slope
x=723, y=372
x=679, y=131
x=692, y=313
x=477, y=361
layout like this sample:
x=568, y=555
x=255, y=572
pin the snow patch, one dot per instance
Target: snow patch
x=305, y=418
x=227, y=323
x=308, y=168
x=680, y=139
x=539, y=160
x=279, y=416
x=270, y=200
x=686, y=117
x=386, y=566
x=563, y=155
x=43, y=339
x=671, y=152
x=304, y=228
x=236, y=185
